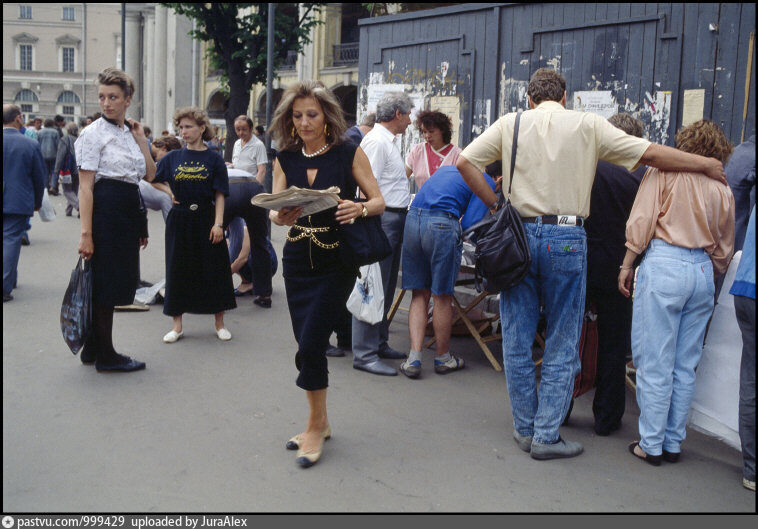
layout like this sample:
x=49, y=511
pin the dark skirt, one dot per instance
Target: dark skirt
x=115, y=234
x=198, y=273
x=314, y=302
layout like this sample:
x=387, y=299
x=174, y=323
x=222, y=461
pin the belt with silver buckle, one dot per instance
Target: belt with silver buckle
x=558, y=220
x=192, y=207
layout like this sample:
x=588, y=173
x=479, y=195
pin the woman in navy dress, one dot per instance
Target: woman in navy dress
x=308, y=125
x=198, y=273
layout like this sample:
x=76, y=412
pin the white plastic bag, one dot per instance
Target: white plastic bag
x=366, y=301
x=147, y=295
x=47, y=211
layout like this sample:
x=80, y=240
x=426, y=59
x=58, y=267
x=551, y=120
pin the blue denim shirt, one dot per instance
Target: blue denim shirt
x=744, y=281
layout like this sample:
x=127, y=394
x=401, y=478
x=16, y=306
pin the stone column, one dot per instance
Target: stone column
x=170, y=69
x=149, y=68
x=133, y=66
x=159, y=72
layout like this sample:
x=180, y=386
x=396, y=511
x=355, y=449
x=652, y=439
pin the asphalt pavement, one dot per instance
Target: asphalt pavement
x=203, y=428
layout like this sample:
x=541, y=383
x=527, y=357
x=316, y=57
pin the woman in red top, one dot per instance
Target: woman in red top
x=436, y=151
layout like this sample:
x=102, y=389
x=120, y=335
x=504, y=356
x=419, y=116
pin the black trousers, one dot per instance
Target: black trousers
x=238, y=204
x=614, y=326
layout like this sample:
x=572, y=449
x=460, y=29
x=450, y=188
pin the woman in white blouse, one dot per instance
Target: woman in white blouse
x=113, y=155
x=249, y=153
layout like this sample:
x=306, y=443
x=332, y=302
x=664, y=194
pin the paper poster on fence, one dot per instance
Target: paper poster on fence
x=599, y=102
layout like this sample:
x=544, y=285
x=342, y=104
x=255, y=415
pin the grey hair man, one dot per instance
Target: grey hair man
x=382, y=146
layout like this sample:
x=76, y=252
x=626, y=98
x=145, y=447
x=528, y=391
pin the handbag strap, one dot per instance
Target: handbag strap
x=514, y=147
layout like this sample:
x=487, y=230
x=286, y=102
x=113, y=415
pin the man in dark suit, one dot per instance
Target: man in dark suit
x=613, y=193
x=24, y=173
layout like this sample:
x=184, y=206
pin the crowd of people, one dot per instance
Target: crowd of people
x=668, y=211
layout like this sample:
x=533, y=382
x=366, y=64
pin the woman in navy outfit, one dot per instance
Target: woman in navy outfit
x=198, y=273
x=308, y=126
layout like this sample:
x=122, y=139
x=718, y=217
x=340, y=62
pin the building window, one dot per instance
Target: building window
x=68, y=59
x=26, y=95
x=25, y=56
x=26, y=12
x=68, y=13
x=27, y=100
x=68, y=97
x=68, y=110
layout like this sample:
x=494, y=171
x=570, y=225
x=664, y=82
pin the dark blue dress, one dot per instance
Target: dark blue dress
x=315, y=279
x=198, y=273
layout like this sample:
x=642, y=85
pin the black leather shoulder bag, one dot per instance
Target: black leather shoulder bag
x=502, y=256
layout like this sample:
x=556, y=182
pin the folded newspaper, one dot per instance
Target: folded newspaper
x=311, y=200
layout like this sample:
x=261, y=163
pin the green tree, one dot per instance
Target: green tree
x=238, y=34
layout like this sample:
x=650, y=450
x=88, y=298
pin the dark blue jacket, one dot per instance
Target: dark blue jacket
x=740, y=173
x=24, y=173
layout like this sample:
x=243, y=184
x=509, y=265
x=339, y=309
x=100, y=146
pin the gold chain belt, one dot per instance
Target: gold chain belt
x=310, y=233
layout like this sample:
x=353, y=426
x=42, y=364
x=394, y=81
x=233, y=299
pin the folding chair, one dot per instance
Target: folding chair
x=474, y=331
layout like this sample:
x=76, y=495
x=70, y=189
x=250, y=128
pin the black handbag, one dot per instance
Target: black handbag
x=502, y=257
x=363, y=242
x=76, y=309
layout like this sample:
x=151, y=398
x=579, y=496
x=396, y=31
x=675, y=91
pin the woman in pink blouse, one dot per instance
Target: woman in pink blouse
x=685, y=221
x=436, y=151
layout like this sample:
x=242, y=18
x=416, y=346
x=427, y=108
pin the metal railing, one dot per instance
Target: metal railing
x=345, y=54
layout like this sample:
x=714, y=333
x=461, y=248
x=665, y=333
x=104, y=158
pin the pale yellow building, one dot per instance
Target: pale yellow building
x=52, y=54
x=332, y=58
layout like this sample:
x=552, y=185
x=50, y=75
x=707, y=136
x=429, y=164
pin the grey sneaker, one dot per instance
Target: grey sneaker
x=411, y=369
x=442, y=368
x=524, y=442
x=748, y=483
x=557, y=450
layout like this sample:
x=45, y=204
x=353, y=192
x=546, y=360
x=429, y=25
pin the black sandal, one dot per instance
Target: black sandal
x=647, y=458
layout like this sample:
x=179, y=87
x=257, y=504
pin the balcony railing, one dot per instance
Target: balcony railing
x=345, y=54
x=290, y=61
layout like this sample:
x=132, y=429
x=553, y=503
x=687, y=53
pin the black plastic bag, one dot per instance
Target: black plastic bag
x=76, y=309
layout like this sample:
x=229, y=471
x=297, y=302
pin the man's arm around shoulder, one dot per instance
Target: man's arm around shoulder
x=670, y=159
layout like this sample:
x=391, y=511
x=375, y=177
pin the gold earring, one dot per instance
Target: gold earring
x=293, y=132
x=325, y=129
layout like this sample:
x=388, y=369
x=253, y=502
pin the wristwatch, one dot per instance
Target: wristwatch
x=365, y=212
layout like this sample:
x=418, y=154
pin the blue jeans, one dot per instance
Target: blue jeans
x=432, y=249
x=14, y=227
x=672, y=303
x=557, y=281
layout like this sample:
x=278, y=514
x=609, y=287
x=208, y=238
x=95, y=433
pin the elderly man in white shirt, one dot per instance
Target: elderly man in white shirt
x=382, y=146
x=249, y=153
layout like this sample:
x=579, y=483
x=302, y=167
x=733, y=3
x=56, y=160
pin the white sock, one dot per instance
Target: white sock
x=413, y=356
x=444, y=358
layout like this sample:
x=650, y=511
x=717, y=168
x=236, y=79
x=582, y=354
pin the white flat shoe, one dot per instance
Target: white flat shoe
x=223, y=334
x=172, y=336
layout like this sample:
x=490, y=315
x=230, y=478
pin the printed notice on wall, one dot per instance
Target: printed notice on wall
x=692, y=106
x=376, y=91
x=598, y=102
x=451, y=107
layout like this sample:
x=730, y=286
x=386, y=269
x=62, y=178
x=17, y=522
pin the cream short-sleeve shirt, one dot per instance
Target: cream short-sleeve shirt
x=558, y=151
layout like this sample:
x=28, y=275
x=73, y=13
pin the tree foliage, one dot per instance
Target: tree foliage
x=237, y=34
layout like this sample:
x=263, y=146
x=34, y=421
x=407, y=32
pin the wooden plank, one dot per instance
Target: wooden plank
x=725, y=86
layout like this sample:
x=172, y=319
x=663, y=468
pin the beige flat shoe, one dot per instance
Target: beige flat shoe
x=294, y=443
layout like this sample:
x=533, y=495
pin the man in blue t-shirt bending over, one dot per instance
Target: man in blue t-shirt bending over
x=432, y=247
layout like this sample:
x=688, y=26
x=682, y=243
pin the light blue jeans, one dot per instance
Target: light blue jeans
x=556, y=280
x=672, y=303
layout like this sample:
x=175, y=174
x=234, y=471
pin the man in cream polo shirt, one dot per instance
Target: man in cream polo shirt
x=558, y=151
x=382, y=146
